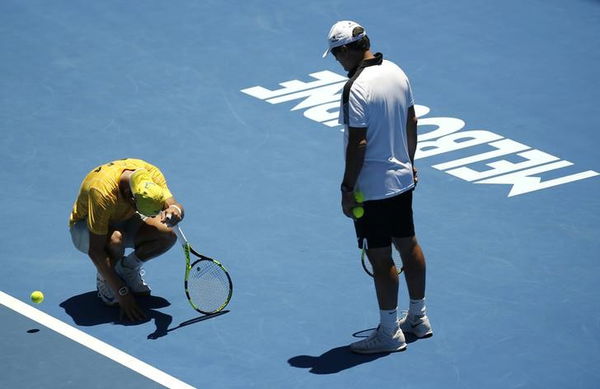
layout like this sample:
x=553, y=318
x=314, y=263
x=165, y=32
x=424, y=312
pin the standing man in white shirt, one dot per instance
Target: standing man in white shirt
x=377, y=110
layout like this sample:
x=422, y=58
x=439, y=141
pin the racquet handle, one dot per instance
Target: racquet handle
x=177, y=232
x=180, y=235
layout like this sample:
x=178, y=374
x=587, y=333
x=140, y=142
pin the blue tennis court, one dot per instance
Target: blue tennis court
x=236, y=106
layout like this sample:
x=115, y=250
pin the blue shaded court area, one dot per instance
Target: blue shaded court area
x=235, y=105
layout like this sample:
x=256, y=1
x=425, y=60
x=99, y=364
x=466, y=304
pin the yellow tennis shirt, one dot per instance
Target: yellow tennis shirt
x=99, y=200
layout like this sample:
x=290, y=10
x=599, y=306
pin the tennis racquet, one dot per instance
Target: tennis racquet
x=366, y=264
x=207, y=283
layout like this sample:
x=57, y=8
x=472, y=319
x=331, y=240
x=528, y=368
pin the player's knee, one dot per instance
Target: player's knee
x=382, y=269
x=116, y=239
x=406, y=246
x=381, y=263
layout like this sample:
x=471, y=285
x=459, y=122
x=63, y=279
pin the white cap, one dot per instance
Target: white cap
x=341, y=34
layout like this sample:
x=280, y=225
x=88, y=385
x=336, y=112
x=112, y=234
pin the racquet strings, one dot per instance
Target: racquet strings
x=208, y=286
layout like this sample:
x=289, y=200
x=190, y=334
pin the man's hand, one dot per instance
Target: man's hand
x=129, y=308
x=348, y=202
x=171, y=216
x=415, y=176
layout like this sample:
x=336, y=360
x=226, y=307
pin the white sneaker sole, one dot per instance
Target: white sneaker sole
x=378, y=351
x=427, y=334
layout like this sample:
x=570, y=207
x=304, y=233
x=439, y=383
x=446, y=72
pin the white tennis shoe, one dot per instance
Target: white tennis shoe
x=133, y=277
x=105, y=292
x=419, y=326
x=380, y=341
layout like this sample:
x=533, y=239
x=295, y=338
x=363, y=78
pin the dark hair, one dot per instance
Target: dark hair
x=363, y=44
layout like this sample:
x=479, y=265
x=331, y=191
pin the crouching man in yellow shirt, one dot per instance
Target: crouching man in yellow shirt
x=124, y=204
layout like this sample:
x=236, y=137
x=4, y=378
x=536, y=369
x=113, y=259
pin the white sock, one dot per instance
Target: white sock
x=388, y=319
x=132, y=261
x=417, y=307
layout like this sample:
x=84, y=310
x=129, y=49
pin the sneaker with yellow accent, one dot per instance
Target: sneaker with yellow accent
x=419, y=326
x=381, y=341
x=133, y=277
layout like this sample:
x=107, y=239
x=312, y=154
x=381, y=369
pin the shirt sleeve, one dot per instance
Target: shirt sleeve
x=358, y=114
x=98, y=212
x=409, y=95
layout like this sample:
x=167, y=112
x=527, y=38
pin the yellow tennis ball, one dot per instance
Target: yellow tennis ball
x=37, y=297
x=359, y=197
x=358, y=212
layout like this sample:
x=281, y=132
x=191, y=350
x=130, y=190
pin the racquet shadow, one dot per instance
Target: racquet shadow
x=87, y=310
x=339, y=358
x=160, y=332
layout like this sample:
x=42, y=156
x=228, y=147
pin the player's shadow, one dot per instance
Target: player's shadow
x=86, y=309
x=337, y=359
x=333, y=361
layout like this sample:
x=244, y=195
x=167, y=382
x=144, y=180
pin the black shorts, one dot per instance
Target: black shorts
x=385, y=219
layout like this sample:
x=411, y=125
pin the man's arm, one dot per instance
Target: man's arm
x=355, y=157
x=411, y=135
x=101, y=259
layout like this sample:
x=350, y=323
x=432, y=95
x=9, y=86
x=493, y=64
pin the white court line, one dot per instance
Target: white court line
x=92, y=343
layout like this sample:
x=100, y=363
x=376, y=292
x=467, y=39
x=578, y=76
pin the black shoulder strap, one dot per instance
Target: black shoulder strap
x=346, y=94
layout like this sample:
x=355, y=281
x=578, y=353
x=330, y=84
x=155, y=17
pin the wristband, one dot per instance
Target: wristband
x=177, y=208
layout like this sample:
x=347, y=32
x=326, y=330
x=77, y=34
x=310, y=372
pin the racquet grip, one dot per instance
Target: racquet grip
x=180, y=235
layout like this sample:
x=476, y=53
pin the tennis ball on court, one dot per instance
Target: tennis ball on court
x=37, y=297
x=359, y=197
x=358, y=212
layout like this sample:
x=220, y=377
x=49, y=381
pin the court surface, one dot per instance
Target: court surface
x=507, y=208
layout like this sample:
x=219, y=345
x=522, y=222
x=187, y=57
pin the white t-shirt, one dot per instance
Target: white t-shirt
x=378, y=96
